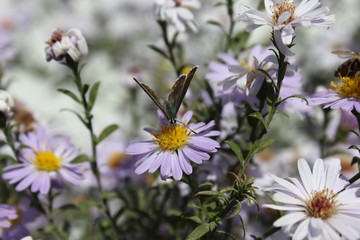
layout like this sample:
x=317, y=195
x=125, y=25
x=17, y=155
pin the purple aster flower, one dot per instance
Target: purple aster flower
x=44, y=162
x=283, y=16
x=7, y=213
x=114, y=164
x=64, y=45
x=345, y=96
x=29, y=220
x=174, y=146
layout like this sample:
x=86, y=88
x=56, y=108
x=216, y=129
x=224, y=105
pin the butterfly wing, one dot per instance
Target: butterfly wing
x=179, y=89
x=344, y=54
x=158, y=101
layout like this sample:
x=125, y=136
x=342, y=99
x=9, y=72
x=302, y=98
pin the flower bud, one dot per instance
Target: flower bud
x=6, y=103
x=64, y=47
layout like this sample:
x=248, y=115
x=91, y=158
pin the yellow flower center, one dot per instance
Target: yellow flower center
x=349, y=87
x=247, y=66
x=47, y=161
x=322, y=205
x=279, y=9
x=171, y=137
x=186, y=70
x=116, y=159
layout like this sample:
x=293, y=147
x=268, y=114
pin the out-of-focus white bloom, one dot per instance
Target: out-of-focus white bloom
x=61, y=44
x=27, y=238
x=178, y=12
x=6, y=103
x=283, y=16
x=319, y=206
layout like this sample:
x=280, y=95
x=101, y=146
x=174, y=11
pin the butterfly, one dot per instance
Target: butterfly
x=171, y=105
x=350, y=67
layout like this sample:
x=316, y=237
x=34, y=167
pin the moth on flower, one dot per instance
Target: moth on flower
x=64, y=45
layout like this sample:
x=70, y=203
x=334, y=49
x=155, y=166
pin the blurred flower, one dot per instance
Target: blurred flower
x=174, y=146
x=284, y=17
x=114, y=164
x=178, y=13
x=318, y=208
x=24, y=119
x=45, y=162
x=7, y=213
x=63, y=45
x=6, y=103
x=29, y=220
x=345, y=96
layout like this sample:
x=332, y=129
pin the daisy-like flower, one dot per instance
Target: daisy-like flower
x=7, y=213
x=345, y=96
x=45, y=162
x=243, y=74
x=178, y=12
x=283, y=16
x=174, y=146
x=317, y=206
x=6, y=105
x=63, y=45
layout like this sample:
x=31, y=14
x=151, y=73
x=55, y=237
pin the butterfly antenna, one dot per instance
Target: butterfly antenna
x=186, y=126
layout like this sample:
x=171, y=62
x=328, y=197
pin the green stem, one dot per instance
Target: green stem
x=230, y=11
x=270, y=232
x=50, y=219
x=169, y=46
x=94, y=167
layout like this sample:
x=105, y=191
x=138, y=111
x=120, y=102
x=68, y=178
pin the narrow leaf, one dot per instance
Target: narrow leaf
x=199, y=231
x=259, y=117
x=81, y=158
x=77, y=114
x=207, y=193
x=261, y=144
x=293, y=96
x=93, y=94
x=236, y=149
x=235, y=210
x=70, y=94
x=107, y=131
x=158, y=50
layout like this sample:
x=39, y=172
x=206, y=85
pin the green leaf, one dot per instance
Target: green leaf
x=77, y=114
x=293, y=96
x=85, y=88
x=218, y=4
x=199, y=231
x=4, y=157
x=236, y=149
x=259, y=117
x=158, y=50
x=207, y=193
x=107, y=131
x=235, y=211
x=70, y=94
x=81, y=158
x=63, y=208
x=93, y=94
x=261, y=144
x=216, y=23
x=195, y=219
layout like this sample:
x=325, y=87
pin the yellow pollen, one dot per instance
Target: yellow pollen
x=279, y=9
x=186, y=70
x=349, y=87
x=322, y=205
x=245, y=65
x=171, y=137
x=47, y=161
x=116, y=159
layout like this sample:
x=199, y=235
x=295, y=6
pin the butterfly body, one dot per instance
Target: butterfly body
x=171, y=105
x=351, y=67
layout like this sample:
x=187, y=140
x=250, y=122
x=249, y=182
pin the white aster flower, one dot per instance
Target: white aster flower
x=283, y=16
x=6, y=103
x=178, y=12
x=316, y=207
x=61, y=45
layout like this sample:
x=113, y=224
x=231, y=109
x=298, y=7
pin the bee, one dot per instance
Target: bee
x=351, y=67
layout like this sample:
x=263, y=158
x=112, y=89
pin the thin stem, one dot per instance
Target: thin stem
x=169, y=46
x=49, y=216
x=94, y=167
x=270, y=232
x=232, y=24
